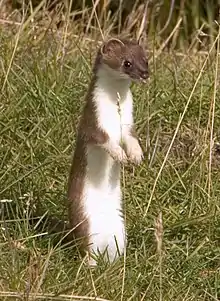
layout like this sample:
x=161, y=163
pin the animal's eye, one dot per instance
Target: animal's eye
x=127, y=64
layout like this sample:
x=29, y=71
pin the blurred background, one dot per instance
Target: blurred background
x=179, y=24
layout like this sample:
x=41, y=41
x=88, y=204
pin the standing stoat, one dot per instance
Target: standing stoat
x=106, y=138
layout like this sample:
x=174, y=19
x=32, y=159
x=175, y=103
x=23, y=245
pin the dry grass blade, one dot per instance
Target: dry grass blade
x=159, y=232
x=143, y=22
x=51, y=296
x=17, y=37
x=164, y=44
x=212, y=108
x=159, y=239
x=96, y=17
x=169, y=17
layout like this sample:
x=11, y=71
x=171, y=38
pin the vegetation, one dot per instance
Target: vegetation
x=193, y=21
x=171, y=201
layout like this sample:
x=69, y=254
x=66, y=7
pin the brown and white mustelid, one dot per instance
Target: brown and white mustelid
x=106, y=138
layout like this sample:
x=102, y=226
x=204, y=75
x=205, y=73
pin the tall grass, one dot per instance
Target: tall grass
x=194, y=21
x=171, y=200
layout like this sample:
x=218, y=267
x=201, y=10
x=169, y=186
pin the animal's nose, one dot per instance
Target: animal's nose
x=145, y=75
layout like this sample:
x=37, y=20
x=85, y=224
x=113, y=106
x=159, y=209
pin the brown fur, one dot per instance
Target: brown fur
x=88, y=133
x=113, y=54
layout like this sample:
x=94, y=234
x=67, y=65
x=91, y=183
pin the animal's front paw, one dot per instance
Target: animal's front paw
x=134, y=151
x=120, y=155
x=116, y=152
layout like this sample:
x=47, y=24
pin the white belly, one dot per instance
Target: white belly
x=102, y=197
x=102, y=192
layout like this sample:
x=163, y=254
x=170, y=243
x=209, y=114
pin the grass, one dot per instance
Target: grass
x=171, y=200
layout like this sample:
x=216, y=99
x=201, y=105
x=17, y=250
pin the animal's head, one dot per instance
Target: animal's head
x=126, y=58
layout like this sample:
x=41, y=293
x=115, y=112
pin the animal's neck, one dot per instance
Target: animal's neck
x=112, y=86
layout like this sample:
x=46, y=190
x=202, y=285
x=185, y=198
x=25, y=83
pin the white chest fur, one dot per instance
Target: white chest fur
x=102, y=189
x=114, y=107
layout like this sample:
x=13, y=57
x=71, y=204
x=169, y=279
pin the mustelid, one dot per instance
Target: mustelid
x=106, y=139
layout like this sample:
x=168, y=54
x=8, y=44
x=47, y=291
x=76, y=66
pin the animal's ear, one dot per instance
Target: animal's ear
x=112, y=46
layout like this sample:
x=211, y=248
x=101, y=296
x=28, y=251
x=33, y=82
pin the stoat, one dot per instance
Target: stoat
x=106, y=138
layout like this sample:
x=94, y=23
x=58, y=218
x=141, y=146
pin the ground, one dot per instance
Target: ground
x=171, y=200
